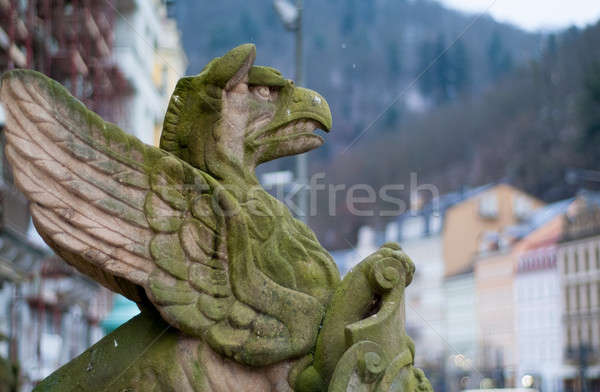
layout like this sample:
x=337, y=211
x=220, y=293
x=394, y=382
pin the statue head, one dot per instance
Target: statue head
x=237, y=115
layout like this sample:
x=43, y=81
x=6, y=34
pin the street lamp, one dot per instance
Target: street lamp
x=288, y=13
x=291, y=17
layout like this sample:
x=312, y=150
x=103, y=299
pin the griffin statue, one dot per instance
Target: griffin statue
x=235, y=294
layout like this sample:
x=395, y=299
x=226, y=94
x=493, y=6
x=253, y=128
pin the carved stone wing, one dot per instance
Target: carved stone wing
x=132, y=217
x=87, y=181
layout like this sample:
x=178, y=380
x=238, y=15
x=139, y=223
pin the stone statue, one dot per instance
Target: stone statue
x=235, y=294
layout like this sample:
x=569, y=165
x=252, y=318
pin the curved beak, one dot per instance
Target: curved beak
x=300, y=103
x=291, y=131
x=305, y=103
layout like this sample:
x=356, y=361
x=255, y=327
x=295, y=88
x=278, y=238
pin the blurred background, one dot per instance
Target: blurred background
x=493, y=105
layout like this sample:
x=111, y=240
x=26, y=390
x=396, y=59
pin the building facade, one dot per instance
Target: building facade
x=501, y=317
x=72, y=42
x=461, y=332
x=496, y=272
x=170, y=65
x=494, y=286
x=539, y=338
x=476, y=288
x=49, y=313
x=147, y=48
x=55, y=315
x=419, y=234
x=440, y=314
x=579, y=268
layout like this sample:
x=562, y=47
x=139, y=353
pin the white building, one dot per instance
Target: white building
x=578, y=257
x=420, y=238
x=170, y=65
x=50, y=313
x=462, y=328
x=579, y=264
x=148, y=50
x=539, y=319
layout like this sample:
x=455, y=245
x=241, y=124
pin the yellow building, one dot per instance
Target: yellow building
x=469, y=222
x=169, y=65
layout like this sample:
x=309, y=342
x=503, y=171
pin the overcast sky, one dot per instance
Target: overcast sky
x=535, y=14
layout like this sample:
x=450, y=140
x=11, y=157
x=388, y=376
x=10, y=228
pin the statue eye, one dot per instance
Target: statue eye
x=263, y=92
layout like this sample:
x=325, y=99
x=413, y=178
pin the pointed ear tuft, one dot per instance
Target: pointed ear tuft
x=229, y=70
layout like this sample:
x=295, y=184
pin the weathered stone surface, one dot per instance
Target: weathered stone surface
x=147, y=354
x=237, y=294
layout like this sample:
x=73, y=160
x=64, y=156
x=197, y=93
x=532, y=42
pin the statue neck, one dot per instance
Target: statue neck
x=229, y=172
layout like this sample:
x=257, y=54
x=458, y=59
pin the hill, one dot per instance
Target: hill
x=530, y=128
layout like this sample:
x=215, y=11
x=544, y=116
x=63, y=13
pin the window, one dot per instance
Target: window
x=521, y=207
x=488, y=206
x=48, y=322
x=574, y=335
x=586, y=260
x=488, y=241
x=576, y=261
x=587, y=291
x=581, y=305
x=598, y=257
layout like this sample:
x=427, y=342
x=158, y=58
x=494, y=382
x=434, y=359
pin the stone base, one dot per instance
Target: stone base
x=146, y=354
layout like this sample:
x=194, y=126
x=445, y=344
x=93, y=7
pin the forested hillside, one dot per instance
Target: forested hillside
x=530, y=129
